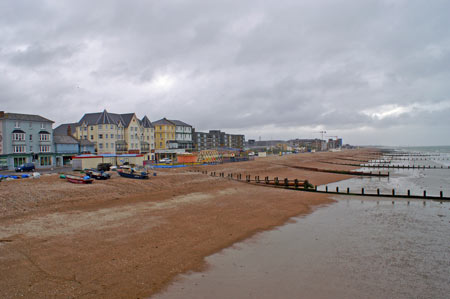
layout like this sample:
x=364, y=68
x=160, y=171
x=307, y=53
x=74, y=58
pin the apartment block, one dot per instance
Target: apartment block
x=25, y=138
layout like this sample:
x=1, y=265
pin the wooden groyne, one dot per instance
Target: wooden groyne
x=348, y=172
x=304, y=185
x=389, y=166
x=420, y=159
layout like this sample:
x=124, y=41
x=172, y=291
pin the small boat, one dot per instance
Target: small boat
x=98, y=175
x=79, y=180
x=132, y=173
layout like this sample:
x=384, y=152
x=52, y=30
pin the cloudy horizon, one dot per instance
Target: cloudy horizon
x=371, y=72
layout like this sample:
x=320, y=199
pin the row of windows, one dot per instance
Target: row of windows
x=23, y=149
x=111, y=145
x=21, y=137
x=112, y=127
x=30, y=124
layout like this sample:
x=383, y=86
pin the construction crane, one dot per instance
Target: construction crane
x=322, y=132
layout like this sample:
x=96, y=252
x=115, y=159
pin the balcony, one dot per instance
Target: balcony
x=145, y=147
x=121, y=147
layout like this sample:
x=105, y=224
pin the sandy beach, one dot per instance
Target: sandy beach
x=124, y=238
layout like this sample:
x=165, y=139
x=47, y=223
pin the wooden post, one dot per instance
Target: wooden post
x=326, y=188
x=266, y=179
x=276, y=180
x=378, y=191
x=393, y=192
x=409, y=192
x=348, y=190
x=362, y=191
x=296, y=184
x=441, y=194
x=286, y=182
x=424, y=193
x=337, y=189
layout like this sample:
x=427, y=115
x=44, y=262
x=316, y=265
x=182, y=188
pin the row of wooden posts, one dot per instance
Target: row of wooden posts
x=394, y=194
x=304, y=185
x=275, y=181
x=404, y=166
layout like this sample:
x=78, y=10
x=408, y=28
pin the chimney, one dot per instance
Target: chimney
x=2, y=114
x=69, y=131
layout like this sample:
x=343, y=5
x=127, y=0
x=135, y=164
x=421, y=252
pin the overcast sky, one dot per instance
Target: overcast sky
x=372, y=72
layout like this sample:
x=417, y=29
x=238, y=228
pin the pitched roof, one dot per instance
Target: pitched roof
x=127, y=117
x=163, y=121
x=26, y=117
x=180, y=123
x=61, y=130
x=59, y=139
x=105, y=117
x=85, y=142
x=146, y=123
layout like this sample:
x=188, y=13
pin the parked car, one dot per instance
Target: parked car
x=25, y=167
x=104, y=166
x=165, y=160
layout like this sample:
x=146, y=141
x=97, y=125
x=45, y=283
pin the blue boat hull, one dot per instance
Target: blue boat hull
x=138, y=176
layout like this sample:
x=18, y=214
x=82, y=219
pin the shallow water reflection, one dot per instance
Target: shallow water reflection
x=351, y=249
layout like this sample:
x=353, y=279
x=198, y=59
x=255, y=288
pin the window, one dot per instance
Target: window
x=85, y=129
x=100, y=127
x=18, y=136
x=92, y=128
x=112, y=127
x=44, y=137
x=106, y=136
x=112, y=135
x=45, y=161
x=135, y=129
x=85, y=137
x=16, y=124
x=106, y=145
x=92, y=137
x=42, y=126
x=112, y=145
x=100, y=136
x=44, y=148
x=31, y=137
x=160, y=144
x=100, y=145
x=30, y=124
x=31, y=148
x=148, y=137
x=20, y=148
x=19, y=161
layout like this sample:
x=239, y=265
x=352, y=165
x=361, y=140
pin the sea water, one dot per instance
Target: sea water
x=358, y=247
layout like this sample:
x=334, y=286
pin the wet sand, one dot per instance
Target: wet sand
x=125, y=238
x=361, y=249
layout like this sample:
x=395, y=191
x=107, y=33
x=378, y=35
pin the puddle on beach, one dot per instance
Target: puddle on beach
x=349, y=249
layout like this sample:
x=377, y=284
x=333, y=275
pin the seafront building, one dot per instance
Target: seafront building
x=25, y=138
x=113, y=133
x=215, y=139
x=172, y=137
x=30, y=138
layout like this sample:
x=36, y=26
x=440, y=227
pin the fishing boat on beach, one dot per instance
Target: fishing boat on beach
x=78, y=180
x=98, y=175
x=132, y=173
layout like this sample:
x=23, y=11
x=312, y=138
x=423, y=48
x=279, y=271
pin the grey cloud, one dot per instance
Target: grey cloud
x=237, y=65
